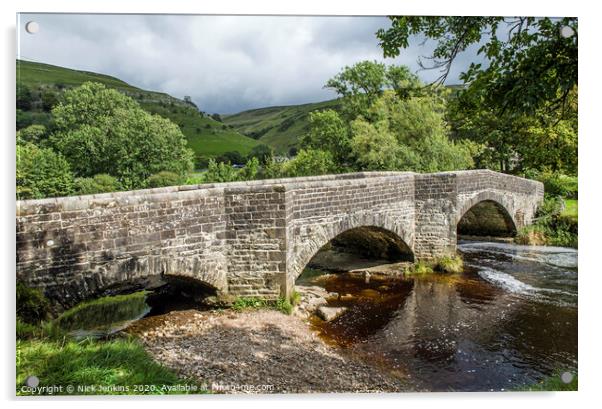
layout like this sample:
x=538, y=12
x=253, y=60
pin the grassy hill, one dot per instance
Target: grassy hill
x=206, y=136
x=279, y=127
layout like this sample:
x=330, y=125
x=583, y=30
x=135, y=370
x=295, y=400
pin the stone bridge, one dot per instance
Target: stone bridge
x=244, y=238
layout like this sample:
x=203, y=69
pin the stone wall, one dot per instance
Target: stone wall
x=245, y=238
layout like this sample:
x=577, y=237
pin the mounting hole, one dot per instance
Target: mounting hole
x=32, y=27
x=566, y=377
x=567, y=32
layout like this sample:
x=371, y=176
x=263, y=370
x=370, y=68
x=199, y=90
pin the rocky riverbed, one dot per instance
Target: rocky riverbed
x=259, y=351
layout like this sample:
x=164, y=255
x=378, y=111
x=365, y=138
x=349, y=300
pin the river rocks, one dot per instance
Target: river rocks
x=329, y=313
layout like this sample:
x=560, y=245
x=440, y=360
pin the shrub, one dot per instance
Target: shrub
x=98, y=184
x=164, y=178
x=41, y=172
x=32, y=306
x=295, y=297
x=310, y=162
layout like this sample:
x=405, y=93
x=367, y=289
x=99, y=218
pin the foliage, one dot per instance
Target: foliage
x=328, y=132
x=23, y=97
x=220, y=172
x=253, y=303
x=233, y=157
x=530, y=63
x=41, y=172
x=32, y=306
x=164, y=178
x=552, y=226
x=420, y=267
x=558, y=184
x=262, y=153
x=361, y=84
x=388, y=121
x=216, y=117
x=101, y=183
x=295, y=297
x=449, y=264
x=33, y=133
x=244, y=303
x=309, y=162
x=250, y=171
x=100, y=130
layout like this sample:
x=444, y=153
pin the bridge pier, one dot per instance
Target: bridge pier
x=244, y=238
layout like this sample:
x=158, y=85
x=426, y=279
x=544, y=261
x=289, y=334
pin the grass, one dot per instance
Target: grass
x=552, y=383
x=279, y=127
x=449, y=264
x=571, y=209
x=420, y=267
x=205, y=136
x=255, y=303
x=120, y=363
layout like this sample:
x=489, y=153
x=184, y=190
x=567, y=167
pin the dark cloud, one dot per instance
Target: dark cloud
x=225, y=63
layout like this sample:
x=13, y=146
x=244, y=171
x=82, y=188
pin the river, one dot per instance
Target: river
x=510, y=319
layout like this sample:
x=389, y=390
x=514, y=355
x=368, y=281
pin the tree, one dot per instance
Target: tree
x=517, y=143
x=309, y=162
x=216, y=117
x=262, y=152
x=390, y=121
x=361, y=84
x=41, y=172
x=328, y=132
x=530, y=63
x=49, y=100
x=100, y=130
x=233, y=157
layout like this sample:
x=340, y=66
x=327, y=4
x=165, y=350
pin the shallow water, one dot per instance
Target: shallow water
x=510, y=319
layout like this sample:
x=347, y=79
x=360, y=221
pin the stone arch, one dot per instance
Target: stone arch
x=315, y=236
x=503, y=202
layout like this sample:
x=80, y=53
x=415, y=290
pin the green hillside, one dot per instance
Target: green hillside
x=279, y=127
x=206, y=136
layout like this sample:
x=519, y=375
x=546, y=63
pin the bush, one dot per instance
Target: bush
x=164, y=178
x=41, y=172
x=32, y=306
x=102, y=183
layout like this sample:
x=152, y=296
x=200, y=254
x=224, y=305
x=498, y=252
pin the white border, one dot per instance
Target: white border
x=589, y=157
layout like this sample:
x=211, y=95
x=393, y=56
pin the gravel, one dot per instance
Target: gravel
x=260, y=351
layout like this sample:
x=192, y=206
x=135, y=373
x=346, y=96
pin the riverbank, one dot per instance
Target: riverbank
x=258, y=351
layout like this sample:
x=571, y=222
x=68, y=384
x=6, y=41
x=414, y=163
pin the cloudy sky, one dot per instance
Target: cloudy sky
x=225, y=63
